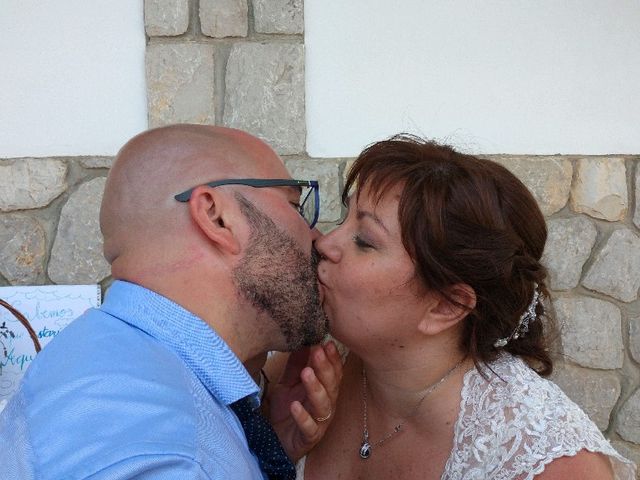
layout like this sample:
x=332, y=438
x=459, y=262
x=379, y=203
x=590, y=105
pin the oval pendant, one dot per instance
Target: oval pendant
x=365, y=450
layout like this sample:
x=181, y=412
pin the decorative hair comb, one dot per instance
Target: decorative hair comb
x=526, y=318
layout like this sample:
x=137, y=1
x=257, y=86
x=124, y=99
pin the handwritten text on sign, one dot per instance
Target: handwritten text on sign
x=49, y=308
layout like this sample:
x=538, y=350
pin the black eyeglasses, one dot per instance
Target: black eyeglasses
x=309, y=206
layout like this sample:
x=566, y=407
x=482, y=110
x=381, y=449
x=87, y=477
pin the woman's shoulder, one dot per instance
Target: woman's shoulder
x=510, y=381
x=585, y=465
x=514, y=422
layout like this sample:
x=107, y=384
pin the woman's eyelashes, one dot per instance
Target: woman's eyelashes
x=361, y=243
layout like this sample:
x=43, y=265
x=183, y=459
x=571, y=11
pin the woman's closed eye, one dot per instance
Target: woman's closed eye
x=361, y=242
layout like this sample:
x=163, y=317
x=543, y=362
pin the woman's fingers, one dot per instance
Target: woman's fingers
x=327, y=366
x=332, y=353
x=319, y=403
x=309, y=428
x=321, y=381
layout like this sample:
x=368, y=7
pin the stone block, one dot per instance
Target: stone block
x=634, y=337
x=591, y=331
x=548, y=178
x=97, y=162
x=22, y=249
x=628, y=421
x=224, y=18
x=325, y=227
x=31, y=182
x=265, y=94
x=278, y=16
x=616, y=268
x=166, y=17
x=596, y=392
x=180, y=84
x=628, y=451
x=76, y=257
x=327, y=172
x=347, y=166
x=569, y=244
x=636, y=215
x=600, y=188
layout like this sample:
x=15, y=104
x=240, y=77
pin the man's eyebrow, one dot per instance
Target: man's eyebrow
x=360, y=214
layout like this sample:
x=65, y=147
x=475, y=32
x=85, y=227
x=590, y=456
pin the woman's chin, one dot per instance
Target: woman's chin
x=335, y=332
x=333, y=323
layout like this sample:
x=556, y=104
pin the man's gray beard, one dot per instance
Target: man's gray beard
x=278, y=279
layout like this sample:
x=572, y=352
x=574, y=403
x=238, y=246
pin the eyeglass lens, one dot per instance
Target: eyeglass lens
x=308, y=204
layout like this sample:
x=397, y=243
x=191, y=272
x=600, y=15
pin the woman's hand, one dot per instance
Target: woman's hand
x=301, y=404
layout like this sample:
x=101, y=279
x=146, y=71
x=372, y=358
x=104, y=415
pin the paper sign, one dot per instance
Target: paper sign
x=49, y=308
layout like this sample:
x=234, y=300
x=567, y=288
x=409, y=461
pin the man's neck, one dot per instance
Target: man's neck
x=215, y=301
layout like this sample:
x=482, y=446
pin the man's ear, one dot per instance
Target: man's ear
x=444, y=312
x=213, y=211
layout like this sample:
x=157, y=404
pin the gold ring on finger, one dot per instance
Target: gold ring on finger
x=325, y=418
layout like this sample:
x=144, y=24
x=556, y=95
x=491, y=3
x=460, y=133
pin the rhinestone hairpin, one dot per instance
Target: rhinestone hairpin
x=526, y=318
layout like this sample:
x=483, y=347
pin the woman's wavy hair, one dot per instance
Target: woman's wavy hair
x=466, y=220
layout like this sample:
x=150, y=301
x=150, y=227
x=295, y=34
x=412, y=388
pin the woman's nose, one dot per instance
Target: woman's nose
x=327, y=246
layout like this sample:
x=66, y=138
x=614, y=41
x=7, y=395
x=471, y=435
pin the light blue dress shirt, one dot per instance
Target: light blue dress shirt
x=139, y=388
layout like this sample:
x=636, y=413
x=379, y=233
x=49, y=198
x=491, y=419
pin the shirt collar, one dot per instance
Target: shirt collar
x=193, y=340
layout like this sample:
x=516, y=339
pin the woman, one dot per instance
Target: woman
x=434, y=283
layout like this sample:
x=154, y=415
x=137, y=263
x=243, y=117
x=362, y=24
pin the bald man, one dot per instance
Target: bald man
x=212, y=256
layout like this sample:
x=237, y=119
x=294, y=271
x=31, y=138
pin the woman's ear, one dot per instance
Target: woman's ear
x=445, y=311
x=215, y=214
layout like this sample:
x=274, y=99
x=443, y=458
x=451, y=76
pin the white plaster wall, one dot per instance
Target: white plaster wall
x=490, y=76
x=72, y=80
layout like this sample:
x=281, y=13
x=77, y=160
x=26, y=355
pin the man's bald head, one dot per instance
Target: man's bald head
x=138, y=204
x=240, y=258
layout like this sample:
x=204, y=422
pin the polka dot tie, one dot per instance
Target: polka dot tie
x=263, y=442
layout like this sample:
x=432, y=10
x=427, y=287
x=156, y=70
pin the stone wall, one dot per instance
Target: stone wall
x=240, y=63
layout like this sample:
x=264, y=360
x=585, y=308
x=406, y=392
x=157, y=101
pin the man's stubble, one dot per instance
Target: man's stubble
x=278, y=279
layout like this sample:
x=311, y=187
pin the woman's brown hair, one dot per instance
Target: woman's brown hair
x=466, y=220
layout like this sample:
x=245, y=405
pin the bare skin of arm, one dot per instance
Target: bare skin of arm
x=584, y=465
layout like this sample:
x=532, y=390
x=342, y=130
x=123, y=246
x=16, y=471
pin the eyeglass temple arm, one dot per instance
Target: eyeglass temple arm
x=251, y=182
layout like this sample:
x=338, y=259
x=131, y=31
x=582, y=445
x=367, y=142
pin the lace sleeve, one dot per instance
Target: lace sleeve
x=515, y=423
x=300, y=468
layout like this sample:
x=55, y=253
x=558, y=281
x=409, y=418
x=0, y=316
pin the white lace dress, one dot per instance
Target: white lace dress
x=511, y=426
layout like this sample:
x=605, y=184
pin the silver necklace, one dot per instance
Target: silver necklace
x=366, y=447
